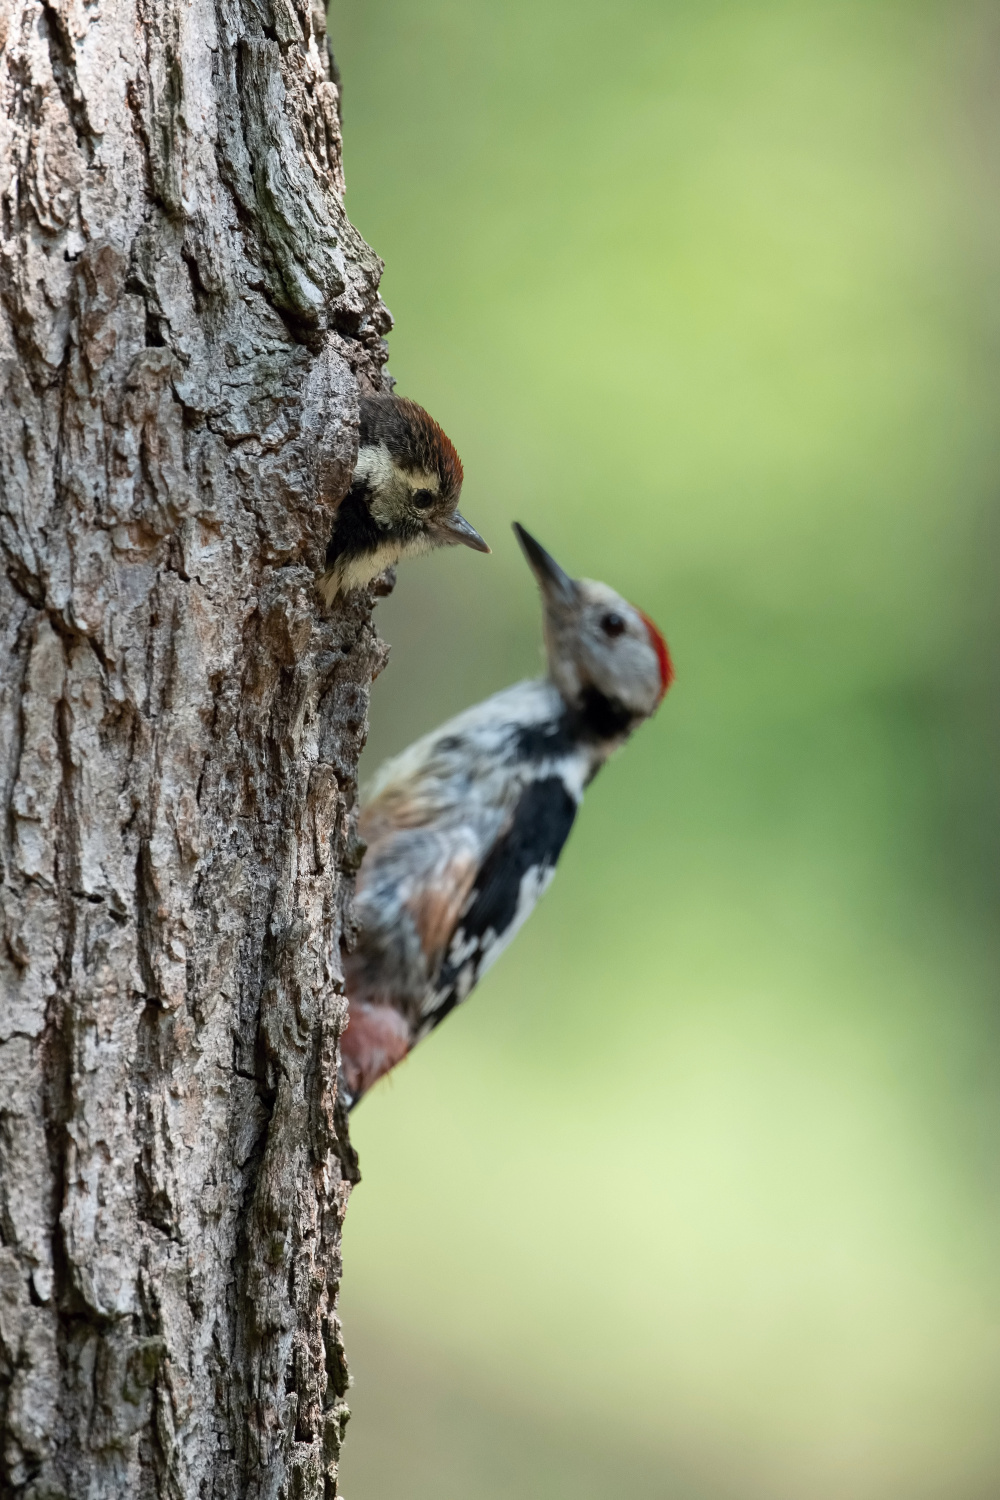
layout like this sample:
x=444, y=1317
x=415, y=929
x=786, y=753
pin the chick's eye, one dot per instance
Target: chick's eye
x=612, y=624
x=424, y=499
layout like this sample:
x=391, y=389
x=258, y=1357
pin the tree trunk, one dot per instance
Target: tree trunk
x=185, y=317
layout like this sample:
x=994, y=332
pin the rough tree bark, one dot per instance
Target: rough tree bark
x=185, y=317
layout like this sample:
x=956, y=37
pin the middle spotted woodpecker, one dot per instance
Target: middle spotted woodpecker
x=465, y=827
x=403, y=498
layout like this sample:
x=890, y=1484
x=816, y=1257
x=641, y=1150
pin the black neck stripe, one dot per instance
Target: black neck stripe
x=596, y=720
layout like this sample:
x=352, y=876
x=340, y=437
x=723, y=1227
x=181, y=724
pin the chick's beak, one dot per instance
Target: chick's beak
x=455, y=528
x=557, y=587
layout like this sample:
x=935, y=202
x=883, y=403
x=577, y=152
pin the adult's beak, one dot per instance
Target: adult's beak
x=557, y=587
x=457, y=529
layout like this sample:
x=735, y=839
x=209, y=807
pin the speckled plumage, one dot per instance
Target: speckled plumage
x=465, y=827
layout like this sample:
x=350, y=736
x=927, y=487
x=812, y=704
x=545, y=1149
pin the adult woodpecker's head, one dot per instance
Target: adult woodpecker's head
x=403, y=498
x=607, y=658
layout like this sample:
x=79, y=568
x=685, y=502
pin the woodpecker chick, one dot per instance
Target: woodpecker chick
x=465, y=827
x=403, y=497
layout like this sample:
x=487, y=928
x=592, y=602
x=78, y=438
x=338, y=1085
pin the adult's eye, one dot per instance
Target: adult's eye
x=612, y=624
x=423, y=499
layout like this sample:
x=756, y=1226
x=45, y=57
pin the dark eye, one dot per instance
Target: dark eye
x=612, y=624
x=424, y=499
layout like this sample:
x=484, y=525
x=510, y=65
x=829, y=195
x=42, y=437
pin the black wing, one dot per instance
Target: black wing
x=520, y=864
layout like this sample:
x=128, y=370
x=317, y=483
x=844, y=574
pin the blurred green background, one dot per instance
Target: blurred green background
x=699, y=1196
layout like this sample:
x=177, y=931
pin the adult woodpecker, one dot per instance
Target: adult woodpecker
x=465, y=827
x=403, y=498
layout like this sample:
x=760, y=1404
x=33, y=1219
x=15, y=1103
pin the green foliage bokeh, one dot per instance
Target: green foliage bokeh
x=696, y=1196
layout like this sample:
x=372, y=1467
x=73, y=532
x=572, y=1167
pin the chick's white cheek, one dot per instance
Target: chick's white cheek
x=375, y=468
x=397, y=507
x=386, y=505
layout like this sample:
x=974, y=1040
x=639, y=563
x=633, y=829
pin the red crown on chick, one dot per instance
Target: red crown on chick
x=433, y=448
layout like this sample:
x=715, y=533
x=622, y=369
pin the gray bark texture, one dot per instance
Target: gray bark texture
x=186, y=317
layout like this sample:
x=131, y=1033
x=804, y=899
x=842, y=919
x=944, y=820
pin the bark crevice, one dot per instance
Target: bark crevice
x=63, y=63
